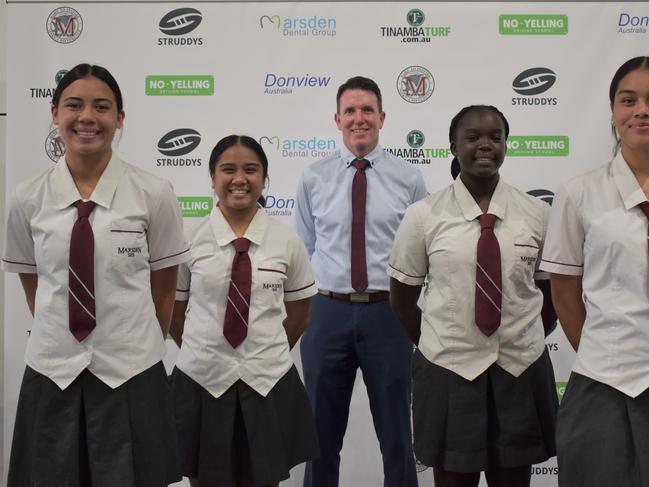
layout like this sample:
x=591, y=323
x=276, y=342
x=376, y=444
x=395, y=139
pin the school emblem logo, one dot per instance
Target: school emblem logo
x=415, y=84
x=179, y=142
x=415, y=139
x=180, y=21
x=54, y=146
x=415, y=17
x=64, y=25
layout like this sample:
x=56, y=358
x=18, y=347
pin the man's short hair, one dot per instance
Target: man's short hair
x=359, y=83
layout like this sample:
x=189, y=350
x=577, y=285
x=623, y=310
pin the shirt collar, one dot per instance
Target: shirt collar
x=348, y=157
x=67, y=192
x=627, y=185
x=224, y=234
x=470, y=208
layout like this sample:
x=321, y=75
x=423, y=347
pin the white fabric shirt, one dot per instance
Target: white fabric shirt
x=280, y=272
x=596, y=230
x=437, y=241
x=137, y=229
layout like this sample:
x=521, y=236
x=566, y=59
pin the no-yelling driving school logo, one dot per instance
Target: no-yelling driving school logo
x=314, y=26
x=64, y=25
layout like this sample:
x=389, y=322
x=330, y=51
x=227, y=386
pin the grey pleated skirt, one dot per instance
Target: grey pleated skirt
x=602, y=436
x=242, y=435
x=494, y=420
x=90, y=434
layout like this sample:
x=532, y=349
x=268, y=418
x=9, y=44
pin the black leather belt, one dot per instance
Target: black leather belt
x=376, y=297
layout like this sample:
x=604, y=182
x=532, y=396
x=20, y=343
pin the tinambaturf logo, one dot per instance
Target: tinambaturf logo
x=176, y=24
x=532, y=82
x=415, y=84
x=54, y=145
x=64, y=25
x=416, y=151
x=176, y=143
x=47, y=92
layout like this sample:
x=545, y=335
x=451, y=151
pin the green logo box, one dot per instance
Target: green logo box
x=538, y=146
x=195, y=206
x=561, y=388
x=522, y=24
x=179, y=85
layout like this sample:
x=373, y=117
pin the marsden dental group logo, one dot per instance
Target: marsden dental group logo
x=301, y=148
x=64, y=25
x=313, y=26
x=177, y=24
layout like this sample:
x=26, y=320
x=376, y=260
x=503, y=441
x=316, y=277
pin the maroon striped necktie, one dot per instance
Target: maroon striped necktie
x=81, y=274
x=359, y=195
x=235, y=324
x=488, y=282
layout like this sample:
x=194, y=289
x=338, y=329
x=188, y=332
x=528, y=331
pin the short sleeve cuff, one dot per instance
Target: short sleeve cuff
x=182, y=294
x=561, y=268
x=300, y=293
x=541, y=276
x=18, y=267
x=170, y=260
x=405, y=278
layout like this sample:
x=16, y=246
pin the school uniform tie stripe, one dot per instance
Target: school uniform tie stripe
x=235, y=324
x=488, y=281
x=81, y=274
x=644, y=206
x=359, y=195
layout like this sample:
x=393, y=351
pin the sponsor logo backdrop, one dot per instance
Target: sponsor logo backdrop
x=191, y=75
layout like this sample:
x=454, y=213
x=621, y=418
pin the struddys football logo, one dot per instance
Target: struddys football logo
x=64, y=25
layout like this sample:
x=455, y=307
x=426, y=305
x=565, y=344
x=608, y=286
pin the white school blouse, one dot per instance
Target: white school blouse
x=597, y=231
x=137, y=229
x=281, y=271
x=437, y=242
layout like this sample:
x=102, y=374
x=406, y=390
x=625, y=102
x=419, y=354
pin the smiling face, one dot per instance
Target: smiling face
x=238, y=179
x=87, y=118
x=479, y=144
x=630, y=109
x=359, y=120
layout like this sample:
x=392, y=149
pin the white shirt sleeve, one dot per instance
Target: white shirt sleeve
x=299, y=277
x=540, y=275
x=167, y=244
x=563, y=251
x=18, y=253
x=304, y=224
x=408, y=260
x=183, y=282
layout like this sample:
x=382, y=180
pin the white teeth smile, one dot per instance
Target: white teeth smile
x=86, y=134
x=239, y=191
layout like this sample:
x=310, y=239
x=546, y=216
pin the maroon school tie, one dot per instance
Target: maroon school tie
x=235, y=324
x=359, y=194
x=488, y=281
x=81, y=274
x=644, y=206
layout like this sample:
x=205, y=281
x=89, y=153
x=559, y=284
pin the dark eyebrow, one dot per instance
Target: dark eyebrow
x=625, y=92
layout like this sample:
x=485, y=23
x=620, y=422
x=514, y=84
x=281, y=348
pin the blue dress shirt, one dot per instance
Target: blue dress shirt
x=324, y=214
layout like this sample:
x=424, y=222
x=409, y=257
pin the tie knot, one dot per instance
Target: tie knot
x=241, y=245
x=360, y=164
x=84, y=208
x=487, y=221
x=644, y=206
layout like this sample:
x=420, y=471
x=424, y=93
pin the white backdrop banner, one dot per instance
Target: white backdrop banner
x=192, y=73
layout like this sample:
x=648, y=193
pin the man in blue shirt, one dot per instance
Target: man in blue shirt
x=349, y=207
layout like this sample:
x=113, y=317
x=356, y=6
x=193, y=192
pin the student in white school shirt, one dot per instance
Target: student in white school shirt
x=482, y=401
x=242, y=412
x=596, y=252
x=94, y=406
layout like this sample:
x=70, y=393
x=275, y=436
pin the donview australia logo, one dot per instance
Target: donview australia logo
x=533, y=82
x=178, y=143
x=177, y=24
x=64, y=25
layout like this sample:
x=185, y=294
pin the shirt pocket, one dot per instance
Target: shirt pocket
x=269, y=288
x=525, y=254
x=129, y=246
